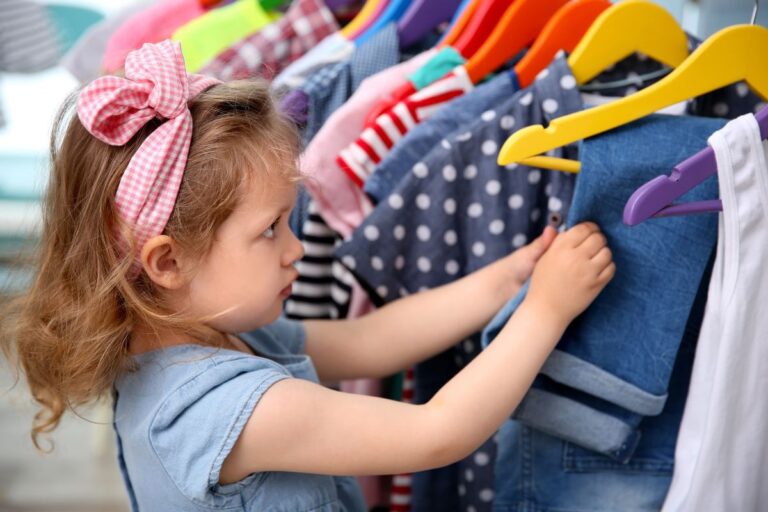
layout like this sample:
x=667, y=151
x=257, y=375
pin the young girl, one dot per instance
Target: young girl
x=166, y=234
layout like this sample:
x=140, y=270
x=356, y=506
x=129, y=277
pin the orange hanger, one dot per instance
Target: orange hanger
x=455, y=31
x=562, y=32
x=518, y=28
x=481, y=25
x=369, y=9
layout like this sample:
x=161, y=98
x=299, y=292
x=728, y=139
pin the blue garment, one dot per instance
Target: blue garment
x=538, y=472
x=426, y=135
x=179, y=414
x=331, y=86
x=622, y=348
x=454, y=212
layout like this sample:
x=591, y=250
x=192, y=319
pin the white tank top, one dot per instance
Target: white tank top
x=721, y=458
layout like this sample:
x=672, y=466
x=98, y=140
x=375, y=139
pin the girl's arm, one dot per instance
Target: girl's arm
x=417, y=327
x=305, y=427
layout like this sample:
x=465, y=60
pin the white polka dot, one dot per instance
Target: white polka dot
x=516, y=201
x=550, y=106
x=507, y=122
x=720, y=109
x=449, y=205
x=462, y=490
x=534, y=176
x=489, y=147
x=496, y=227
x=377, y=263
x=450, y=237
x=493, y=187
x=475, y=210
x=544, y=73
x=482, y=458
x=469, y=347
x=423, y=233
x=742, y=89
x=395, y=201
x=760, y=106
x=382, y=291
x=470, y=508
x=488, y=115
x=555, y=204
x=449, y=173
x=445, y=144
x=511, y=167
x=423, y=201
x=424, y=264
x=568, y=82
x=535, y=215
x=371, y=233
x=403, y=292
x=423, y=288
x=526, y=99
x=486, y=495
x=399, y=232
x=452, y=267
x=463, y=137
x=470, y=171
x=630, y=90
x=399, y=262
x=420, y=170
x=634, y=77
x=641, y=56
x=458, y=361
x=469, y=475
x=478, y=249
x=349, y=262
x=519, y=240
x=548, y=189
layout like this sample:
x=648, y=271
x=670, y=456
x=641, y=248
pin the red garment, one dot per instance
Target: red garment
x=266, y=52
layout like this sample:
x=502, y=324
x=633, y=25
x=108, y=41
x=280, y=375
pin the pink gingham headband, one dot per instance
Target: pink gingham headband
x=113, y=109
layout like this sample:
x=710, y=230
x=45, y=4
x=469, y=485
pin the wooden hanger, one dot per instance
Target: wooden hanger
x=628, y=27
x=562, y=32
x=518, y=28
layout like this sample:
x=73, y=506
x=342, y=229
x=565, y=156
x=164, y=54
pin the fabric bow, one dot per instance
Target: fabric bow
x=113, y=109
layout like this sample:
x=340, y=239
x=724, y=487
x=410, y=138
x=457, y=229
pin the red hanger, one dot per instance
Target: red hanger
x=563, y=32
x=481, y=25
x=455, y=31
x=518, y=28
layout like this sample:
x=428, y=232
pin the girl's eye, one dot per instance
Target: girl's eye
x=270, y=231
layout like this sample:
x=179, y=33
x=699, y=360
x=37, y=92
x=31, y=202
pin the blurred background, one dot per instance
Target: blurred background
x=81, y=474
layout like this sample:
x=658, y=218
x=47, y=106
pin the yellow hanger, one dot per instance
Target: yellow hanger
x=731, y=55
x=623, y=29
x=368, y=9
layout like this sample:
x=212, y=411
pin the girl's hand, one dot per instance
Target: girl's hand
x=518, y=266
x=572, y=272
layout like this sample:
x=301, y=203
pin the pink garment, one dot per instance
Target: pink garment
x=148, y=26
x=341, y=203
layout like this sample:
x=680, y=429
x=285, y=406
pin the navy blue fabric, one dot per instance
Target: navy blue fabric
x=423, y=137
x=456, y=211
x=622, y=348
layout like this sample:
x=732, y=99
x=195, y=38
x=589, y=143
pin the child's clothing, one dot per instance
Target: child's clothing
x=178, y=416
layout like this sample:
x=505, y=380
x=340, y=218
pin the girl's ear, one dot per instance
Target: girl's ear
x=163, y=262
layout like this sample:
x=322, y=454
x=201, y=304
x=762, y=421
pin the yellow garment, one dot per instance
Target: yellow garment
x=205, y=37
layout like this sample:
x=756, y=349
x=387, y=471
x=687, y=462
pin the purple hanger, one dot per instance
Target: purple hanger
x=423, y=16
x=335, y=5
x=654, y=199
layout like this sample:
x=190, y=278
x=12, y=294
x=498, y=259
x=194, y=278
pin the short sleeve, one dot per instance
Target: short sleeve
x=281, y=337
x=197, y=425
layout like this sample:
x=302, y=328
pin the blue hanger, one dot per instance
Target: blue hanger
x=393, y=12
x=655, y=197
x=422, y=17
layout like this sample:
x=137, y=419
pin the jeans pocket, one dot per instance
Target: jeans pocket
x=581, y=460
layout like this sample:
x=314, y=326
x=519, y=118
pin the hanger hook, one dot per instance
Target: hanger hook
x=754, y=11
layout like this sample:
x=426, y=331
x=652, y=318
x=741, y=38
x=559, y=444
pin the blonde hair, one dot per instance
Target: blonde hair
x=69, y=332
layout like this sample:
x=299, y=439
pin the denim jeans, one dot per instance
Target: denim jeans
x=536, y=472
x=617, y=357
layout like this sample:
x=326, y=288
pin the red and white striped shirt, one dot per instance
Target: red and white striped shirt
x=359, y=159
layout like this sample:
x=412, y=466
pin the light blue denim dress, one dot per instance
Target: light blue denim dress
x=178, y=416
